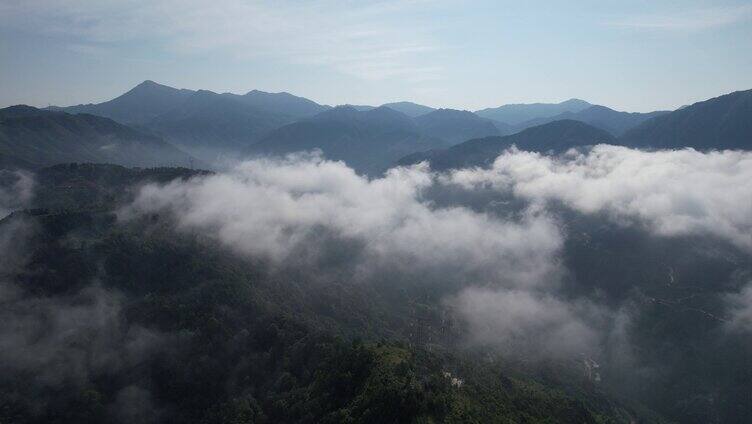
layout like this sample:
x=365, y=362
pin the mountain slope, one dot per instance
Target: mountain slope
x=40, y=138
x=409, y=108
x=615, y=122
x=556, y=136
x=723, y=122
x=139, y=105
x=369, y=141
x=514, y=114
x=455, y=126
x=212, y=121
x=282, y=103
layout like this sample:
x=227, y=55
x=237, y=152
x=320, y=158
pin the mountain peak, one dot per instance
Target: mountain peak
x=574, y=101
x=17, y=110
x=283, y=103
x=598, y=108
x=446, y=112
x=255, y=92
x=151, y=85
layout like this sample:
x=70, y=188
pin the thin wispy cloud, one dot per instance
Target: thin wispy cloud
x=692, y=20
x=364, y=40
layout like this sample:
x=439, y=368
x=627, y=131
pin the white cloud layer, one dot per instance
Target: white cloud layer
x=673, y=192
x=273, y=209
x=506, y=270
x=268, y=208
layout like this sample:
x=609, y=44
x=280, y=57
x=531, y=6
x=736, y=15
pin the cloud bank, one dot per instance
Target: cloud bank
x=672, y=192
x=505, y=267
x=269, y=208
x=275, y=209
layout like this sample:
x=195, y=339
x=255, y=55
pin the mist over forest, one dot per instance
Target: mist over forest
x=382, y=212
x=605, y=280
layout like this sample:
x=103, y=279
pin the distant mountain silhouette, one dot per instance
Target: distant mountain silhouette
x=207, y=124
x=282, y=103
x=515, y=114
x=368, y=141
x=208, y=120
x=137, y=106
x=34, y=137
x=455, y=126
x=148, y=100
x=409, y=108
x=553, y=137
x=201, y=118
x=360, y=108
x=723, y=122
x=615, y=122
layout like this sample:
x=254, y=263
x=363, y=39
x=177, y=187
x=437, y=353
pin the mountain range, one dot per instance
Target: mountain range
x=281, y=103
x=515, y=114
x=455, y=126
x=369, y=141
x=205, y=123
x=155, y=124
x=212, y=122
x=272, y=297
x=138, y=105
x=555, y=137
x=615, y=122
x=165, y=110
x=723, y=122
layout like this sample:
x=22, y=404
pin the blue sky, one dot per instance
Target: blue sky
x=629, y=55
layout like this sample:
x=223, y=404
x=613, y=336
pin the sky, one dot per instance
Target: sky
x=629, y=55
